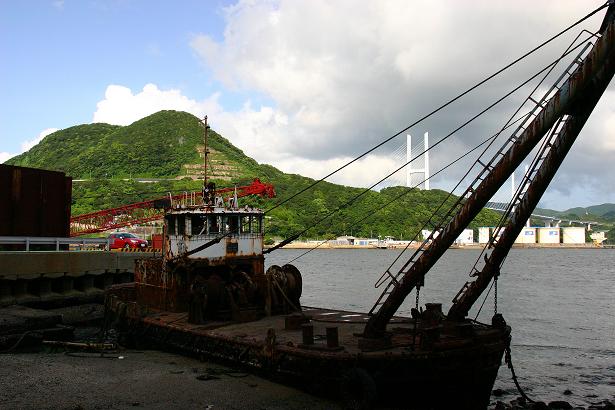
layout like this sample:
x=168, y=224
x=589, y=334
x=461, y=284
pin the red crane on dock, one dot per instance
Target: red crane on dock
x=152, y=210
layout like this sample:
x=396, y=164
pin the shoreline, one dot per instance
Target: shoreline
x=317, y=245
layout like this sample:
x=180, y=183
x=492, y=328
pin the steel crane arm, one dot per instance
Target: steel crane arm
x=141, y=212
x=592, y=75
x=577, y=117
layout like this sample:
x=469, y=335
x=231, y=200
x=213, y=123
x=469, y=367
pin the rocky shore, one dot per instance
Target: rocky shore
x=522, y=404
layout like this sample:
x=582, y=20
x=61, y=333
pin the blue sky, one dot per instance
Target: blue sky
x=59, y=57
x=304, y=85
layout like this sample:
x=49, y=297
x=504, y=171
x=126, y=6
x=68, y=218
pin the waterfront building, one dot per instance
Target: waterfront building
x=573, y=234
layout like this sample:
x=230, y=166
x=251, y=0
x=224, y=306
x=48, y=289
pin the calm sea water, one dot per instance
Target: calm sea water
x=559, y=302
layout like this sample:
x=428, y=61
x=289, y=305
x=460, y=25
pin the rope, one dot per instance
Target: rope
x=449, y=102
x=10, y=349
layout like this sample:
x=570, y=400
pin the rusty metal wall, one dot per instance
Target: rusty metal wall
x=34, y=202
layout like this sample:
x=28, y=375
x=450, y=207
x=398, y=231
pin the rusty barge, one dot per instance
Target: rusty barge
x=210, y=295
x=220, y=302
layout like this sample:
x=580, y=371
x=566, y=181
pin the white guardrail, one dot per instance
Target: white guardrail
x=34, y=240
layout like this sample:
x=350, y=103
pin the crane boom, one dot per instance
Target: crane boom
x=578, y=93
x=151, y=210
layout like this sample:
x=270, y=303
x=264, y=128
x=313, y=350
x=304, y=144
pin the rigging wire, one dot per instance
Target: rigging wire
x=441, y=107
x=569, y=50
x=375, y=210
x=525, y=179
x=349, y=202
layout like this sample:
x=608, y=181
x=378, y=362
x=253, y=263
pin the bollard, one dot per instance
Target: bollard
x=6, y=293
x=21, y=292
x=333, y=340
x=308, y=334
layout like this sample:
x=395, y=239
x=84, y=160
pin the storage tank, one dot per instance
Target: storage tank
x=483, y=234
x=548, y=235
x=573, y=234
x=527, y=235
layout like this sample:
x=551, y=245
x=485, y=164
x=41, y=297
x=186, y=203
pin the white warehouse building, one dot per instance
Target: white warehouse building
x=527, y=235
x=573, y=234
x=548, y=235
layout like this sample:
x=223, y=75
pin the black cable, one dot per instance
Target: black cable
x=508, y=209
x=569, y=50
x=347, y=203
x=375, y=210
x=439, y=108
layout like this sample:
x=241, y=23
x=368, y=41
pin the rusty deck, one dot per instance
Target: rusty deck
x=456, y=362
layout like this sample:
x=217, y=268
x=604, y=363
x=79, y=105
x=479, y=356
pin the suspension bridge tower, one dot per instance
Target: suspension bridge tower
x=410, y=169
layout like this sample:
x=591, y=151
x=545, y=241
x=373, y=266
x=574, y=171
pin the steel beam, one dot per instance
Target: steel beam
x=589, y=79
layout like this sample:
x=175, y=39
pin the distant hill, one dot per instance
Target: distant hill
x=168, y=146
x=600, y=210
x=598, y=213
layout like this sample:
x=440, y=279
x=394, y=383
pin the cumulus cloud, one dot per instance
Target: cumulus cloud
x=340, y=76
x=5, y=156
x=121, y=107
x=26, y=145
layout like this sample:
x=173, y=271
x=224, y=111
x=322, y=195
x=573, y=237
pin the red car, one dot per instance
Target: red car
x=126, y=240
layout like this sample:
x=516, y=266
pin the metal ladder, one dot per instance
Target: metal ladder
x=518, y=198
x=392, y=280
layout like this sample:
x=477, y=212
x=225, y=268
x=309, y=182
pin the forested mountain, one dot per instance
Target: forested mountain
x=107, y=161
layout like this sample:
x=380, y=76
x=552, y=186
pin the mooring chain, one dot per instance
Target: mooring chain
x=418, y=295
x=495, y=293
x=509, y=363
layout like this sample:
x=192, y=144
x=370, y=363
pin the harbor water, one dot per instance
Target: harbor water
x=560, y=304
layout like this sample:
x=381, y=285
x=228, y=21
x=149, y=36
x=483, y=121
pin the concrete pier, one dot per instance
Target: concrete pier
x=56, y=278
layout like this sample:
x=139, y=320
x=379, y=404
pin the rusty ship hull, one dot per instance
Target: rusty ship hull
x=449, y=365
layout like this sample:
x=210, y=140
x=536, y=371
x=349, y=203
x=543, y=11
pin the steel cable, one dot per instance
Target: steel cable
x=440, y=141
x=441, y=107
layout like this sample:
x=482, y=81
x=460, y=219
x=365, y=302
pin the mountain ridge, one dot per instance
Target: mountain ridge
x=168, y=145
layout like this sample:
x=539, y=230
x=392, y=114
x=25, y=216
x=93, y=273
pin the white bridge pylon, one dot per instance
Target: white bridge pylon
x=410, y=170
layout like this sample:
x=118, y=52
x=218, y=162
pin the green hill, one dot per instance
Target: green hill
x=167, y=146
x=604, y=213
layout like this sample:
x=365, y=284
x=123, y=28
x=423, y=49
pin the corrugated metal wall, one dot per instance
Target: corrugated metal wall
x=34, y=202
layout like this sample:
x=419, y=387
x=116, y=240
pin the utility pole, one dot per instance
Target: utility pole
x=205, y=152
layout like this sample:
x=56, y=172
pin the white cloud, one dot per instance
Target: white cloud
x=121, y=107
x=368, y=70
x=5, y=156
x=343, y=75
x=26, y=145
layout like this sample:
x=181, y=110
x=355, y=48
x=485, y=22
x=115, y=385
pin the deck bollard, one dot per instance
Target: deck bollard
x=307, y=331
x=6, y=293
x=333, y=339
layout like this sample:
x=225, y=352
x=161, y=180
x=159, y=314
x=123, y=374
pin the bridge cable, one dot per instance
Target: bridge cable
x=441, y=107
x=375, y=210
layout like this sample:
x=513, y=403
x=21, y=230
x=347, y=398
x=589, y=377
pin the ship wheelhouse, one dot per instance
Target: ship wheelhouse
x=240, y=231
